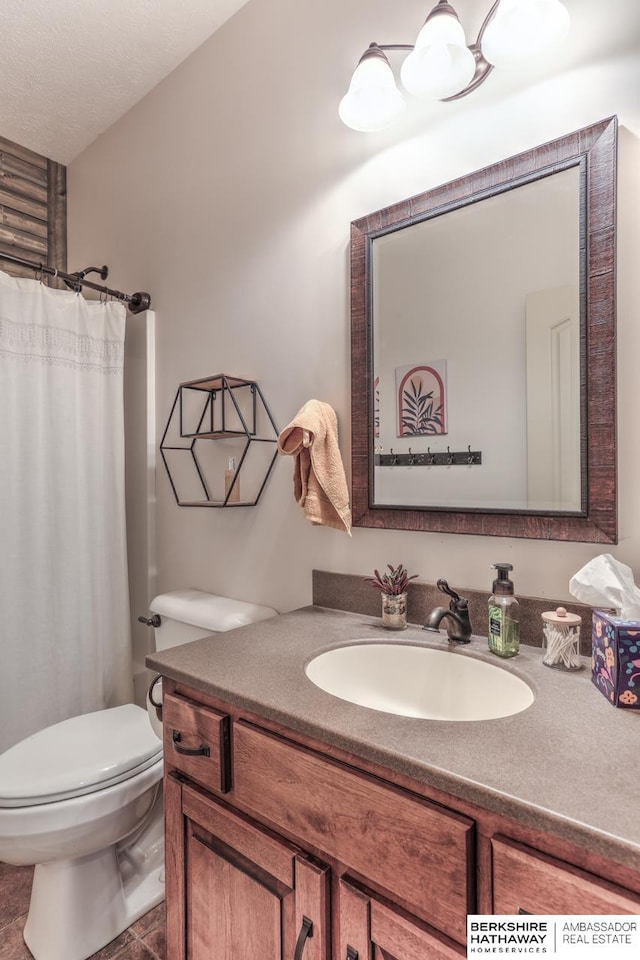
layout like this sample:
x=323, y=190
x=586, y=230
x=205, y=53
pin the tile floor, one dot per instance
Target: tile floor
x=145, y=940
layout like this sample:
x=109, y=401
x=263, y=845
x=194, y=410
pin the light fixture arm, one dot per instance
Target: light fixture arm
x=392, y=46
x=483, y=69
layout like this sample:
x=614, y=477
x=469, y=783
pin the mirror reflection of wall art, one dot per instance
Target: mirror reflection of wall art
x=422, y=399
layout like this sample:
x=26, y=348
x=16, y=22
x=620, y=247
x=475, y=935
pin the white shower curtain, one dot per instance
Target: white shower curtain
x=65, y=645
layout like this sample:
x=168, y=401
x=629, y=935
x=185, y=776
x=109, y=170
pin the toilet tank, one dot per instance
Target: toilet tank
x=187, y=615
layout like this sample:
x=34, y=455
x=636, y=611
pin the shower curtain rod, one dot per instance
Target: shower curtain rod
x=136, y=302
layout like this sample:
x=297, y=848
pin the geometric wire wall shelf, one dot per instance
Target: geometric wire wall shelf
x=233, y=471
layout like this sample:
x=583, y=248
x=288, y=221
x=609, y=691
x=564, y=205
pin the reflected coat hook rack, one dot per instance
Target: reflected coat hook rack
x=447, y=458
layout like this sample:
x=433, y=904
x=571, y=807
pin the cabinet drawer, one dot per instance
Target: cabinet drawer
x=197, y=742
x=415, y=850
x=524, y=879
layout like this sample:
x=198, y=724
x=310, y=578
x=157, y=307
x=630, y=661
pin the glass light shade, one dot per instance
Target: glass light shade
x=372, y=100
x=523, y=29
x=441, y=64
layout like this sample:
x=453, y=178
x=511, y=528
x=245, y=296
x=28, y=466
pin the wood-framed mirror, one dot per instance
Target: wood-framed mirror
x=483, y=368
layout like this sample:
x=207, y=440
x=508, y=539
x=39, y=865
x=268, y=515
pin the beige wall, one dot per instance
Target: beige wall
x=228, y=193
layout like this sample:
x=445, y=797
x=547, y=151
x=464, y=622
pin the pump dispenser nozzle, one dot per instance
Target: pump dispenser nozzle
x=502, y=585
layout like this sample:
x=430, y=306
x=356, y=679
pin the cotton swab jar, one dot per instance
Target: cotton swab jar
x=561, y=639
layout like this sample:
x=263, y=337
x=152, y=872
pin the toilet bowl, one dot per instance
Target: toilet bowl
x=82, y=801
x=70, y=797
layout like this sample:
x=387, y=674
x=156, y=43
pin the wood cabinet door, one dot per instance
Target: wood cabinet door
x=371, y=928
x=236, y=891
x=525, y=880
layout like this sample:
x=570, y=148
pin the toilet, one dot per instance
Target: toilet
x=82, y=800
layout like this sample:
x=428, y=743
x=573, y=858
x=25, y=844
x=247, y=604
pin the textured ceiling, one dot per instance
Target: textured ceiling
x=71, y=68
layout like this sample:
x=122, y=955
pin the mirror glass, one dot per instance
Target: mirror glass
x=476, y=345
x=483, y=350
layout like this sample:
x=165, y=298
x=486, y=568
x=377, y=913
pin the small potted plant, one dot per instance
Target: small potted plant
x=393, y=587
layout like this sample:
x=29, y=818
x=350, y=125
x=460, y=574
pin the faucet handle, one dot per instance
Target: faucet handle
x=457, y=603
x=445, y=588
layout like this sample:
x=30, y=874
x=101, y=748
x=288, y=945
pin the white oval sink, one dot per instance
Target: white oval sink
x=415, y=681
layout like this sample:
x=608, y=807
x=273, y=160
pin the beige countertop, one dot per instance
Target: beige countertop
x=566, y=765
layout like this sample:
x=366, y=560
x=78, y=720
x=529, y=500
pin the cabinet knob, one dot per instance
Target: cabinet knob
x=306, y=930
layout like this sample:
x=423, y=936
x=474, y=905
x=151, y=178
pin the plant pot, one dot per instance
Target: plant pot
x=394, y=611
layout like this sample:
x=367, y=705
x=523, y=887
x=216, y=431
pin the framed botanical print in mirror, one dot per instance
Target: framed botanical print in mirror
x=483, y=350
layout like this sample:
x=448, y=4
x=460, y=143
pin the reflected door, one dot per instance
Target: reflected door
x=553, y=399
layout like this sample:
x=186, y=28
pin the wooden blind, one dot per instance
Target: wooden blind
x=33, y=209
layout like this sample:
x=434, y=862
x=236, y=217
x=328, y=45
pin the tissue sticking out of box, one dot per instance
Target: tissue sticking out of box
x=607, y=583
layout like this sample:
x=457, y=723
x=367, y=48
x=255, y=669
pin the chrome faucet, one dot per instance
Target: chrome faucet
x=456, y=617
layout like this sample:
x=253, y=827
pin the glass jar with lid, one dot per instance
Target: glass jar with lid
x=561, y=639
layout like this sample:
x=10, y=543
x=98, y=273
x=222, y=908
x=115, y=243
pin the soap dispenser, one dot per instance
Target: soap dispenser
x=504, y=614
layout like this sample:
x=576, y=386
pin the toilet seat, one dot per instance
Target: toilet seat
x=78, y=756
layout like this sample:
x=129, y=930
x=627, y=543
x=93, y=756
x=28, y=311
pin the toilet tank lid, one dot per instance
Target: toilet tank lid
x=208, y=611
x=78, y=755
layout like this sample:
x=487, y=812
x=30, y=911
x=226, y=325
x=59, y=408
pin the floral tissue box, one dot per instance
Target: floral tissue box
x=615, y=661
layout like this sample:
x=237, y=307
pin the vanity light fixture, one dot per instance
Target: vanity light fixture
x=440, y=65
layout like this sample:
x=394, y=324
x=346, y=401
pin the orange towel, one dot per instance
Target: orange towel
x=319, y=483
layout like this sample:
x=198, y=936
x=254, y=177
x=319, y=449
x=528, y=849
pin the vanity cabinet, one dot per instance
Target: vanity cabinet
x=280, y=848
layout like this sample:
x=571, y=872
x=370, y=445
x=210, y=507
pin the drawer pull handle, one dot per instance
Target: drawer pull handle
x=306, y=930
x=201, y=751
x=351, y=954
